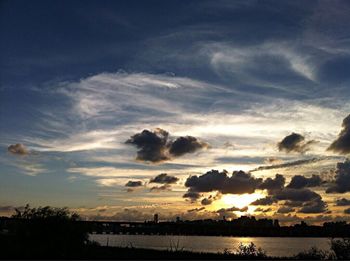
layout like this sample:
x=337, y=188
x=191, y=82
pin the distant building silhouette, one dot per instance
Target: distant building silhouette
x=155, y=219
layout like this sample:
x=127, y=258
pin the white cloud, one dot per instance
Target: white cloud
x=108, y=108
x=241, y=60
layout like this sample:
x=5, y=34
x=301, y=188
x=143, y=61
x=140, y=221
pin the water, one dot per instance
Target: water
x=274, y=246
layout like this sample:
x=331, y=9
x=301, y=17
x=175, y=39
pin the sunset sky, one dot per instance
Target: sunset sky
x=198, y=109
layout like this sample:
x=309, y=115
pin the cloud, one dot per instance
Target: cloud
x=196, y=209
x=210, y=199
x=292, y=194
x=161, y=188
x=7, y=209
x=267, y=201
x=154, y=146
x=342, y=202
x=289, y=164
x=238, y=183
x=206, y=201
x=295, y=203
x=347, y=211
x=314, y=206
x=151, y=145
x=192, y=195
x=342, y=143
x=299, y=181
x=133, y=184
x=164, y=179
x=294, y=143
x=18, y=149
x=342, y=178
x=285, y=209
x=287, y=66
x=264, y=210
x=232, y=209
x=188, y=144
x=273, y=185
x=305, y=199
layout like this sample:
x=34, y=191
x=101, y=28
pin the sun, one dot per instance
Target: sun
x=242, y=200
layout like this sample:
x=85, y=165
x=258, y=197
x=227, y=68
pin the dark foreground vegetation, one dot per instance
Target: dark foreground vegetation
x=54, y=233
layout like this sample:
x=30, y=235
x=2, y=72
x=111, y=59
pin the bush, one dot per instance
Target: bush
x=250, y=251
x=313, y=254
x=341, y=248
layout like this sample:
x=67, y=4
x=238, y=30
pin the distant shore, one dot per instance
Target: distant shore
x=56, y=233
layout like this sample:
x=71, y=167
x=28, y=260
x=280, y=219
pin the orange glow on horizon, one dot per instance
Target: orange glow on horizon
x=240, y=201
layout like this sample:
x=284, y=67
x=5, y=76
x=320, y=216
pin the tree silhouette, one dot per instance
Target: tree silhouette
x=47, y=231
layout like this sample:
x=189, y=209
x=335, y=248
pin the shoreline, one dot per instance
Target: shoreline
x=184, y=235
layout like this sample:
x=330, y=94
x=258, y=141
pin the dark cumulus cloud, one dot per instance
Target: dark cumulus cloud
x=133, y=184
x=342, y=143
x=267, y=201
x=341, y=183
x=238, y=183
x=192, y=195
x=302, y=195
x=229, y=212
x=17, y=149
x=342, y=202
x=188, y=144
x=164, y=178
x=210, y=199
x=273, y=185
x=155, y=146
x=296, y=197
x=294, y=143
x=299, y=181
x=285, y=210
x=314, y=206
x=305, y=199
x=232, y=209
x=347, y=211
x=151, y=145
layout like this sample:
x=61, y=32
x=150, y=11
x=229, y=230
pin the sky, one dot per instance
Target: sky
x=197, y=109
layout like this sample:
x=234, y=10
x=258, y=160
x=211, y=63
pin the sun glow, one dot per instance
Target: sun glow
x=241, y=201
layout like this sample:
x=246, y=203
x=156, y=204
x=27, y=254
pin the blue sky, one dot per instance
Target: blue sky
x=78, y=79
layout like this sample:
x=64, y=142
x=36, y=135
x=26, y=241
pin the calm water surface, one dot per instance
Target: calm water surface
x=274, y=246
